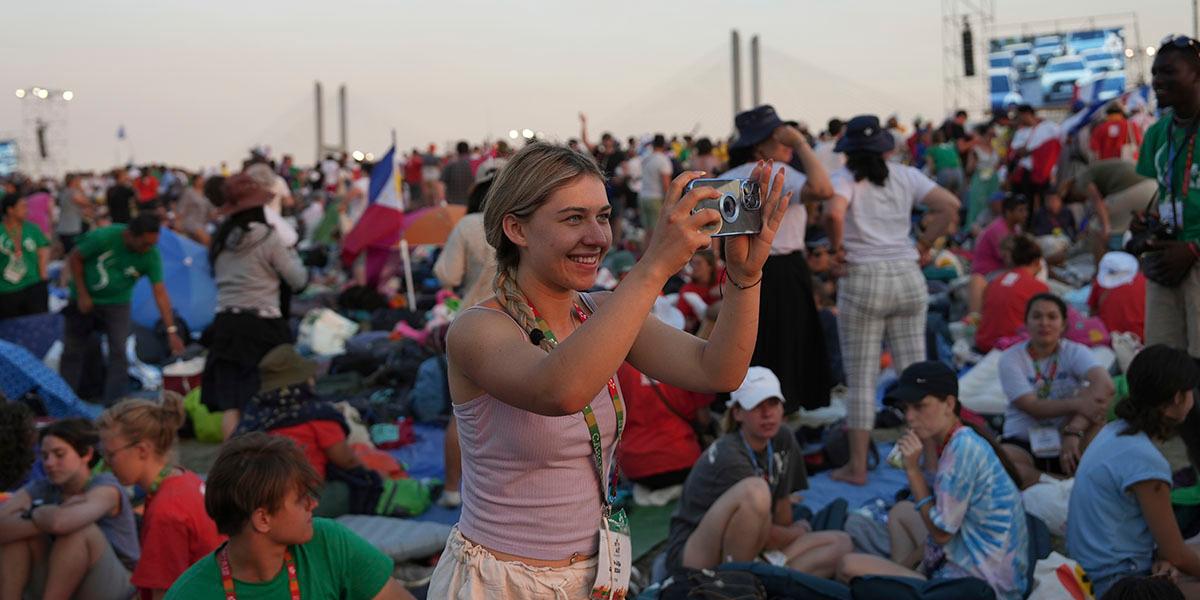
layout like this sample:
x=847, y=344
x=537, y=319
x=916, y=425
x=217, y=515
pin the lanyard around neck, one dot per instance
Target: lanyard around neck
x=754, y=458
x=1044, y=380
x=158, y=479
x=608, y=492
x=227, y=573
x=1189, y=140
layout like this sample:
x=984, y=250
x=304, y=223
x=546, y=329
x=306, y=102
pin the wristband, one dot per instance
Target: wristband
x=740, y=286
x=1076, y=433
x=923, y=501
x=172, y=329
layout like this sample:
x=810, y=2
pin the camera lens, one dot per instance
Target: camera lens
x=750, y=195
x=729, y=208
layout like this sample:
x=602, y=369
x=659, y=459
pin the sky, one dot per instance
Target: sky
x=195, y=83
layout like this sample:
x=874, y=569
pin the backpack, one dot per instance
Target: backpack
x=837, y=447
x=687, y=584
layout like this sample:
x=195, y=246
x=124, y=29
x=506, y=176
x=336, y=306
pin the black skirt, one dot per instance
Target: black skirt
x=790, y=340
x=236, y=344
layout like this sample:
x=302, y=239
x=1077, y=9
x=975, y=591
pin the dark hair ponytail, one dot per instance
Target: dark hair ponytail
x=238, y=220
x=867, y=165
x=1156, y=375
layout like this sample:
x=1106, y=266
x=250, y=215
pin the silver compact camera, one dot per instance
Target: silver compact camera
x=740, y=206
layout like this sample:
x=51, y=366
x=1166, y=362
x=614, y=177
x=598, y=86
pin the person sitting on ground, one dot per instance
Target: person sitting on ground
x=1007, y=295
x=72, y=534
x=987, y=262
x=1118, y=294
x=1054, y=219
x=1051, y=415
x=974, y=514
x=737, y=501
x=261, y=493
x=287, y=405
x=705, y=282
x=137, y=440
x=1121, y=519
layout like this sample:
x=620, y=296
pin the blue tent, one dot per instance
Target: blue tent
x=21, y=372
x=189, y=284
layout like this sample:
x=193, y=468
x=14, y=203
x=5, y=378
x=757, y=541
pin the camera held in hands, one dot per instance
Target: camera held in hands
x=1146, y=229
x=740, y=206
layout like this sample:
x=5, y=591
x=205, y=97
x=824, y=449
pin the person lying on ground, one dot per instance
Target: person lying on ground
x=73, y=534
x=974, y=514
x=261, y=493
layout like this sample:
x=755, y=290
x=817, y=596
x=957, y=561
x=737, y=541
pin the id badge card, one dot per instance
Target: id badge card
x=615, y=560
x=1046, y=442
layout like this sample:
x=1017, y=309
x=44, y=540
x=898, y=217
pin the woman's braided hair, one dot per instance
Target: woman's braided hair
x=524, y=184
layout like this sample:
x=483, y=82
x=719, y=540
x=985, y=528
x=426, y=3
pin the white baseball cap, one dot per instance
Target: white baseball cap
x=1116, y=269
x=760, y=384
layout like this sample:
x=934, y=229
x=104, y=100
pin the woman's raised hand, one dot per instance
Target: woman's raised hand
x=746, y=254
x=679, y=233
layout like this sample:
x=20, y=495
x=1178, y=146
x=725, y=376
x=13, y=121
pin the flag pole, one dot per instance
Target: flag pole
x=408, y=278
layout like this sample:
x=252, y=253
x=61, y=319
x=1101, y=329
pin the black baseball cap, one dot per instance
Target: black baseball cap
x=928, y=378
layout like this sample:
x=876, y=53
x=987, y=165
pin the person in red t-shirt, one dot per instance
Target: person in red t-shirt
x=659, y=446
x=146, y=186
x=136, y=440
x=1119, y=294
x=1005, y=298
x=287, y=405
x=704, y=283
x=1113, y=134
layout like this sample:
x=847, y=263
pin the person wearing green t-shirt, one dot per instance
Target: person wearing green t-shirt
x=104, y=266
x=260, y=493
x=1169, y=155
x=24, y=253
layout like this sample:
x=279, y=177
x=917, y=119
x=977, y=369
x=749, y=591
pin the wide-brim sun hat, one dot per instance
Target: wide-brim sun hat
x=864, y=134
x=283, y=367
x=242, y=192
x=755, y=125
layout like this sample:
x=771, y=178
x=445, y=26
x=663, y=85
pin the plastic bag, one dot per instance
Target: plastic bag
x=1057, y=577
x=325, y=332
x=1048, y=500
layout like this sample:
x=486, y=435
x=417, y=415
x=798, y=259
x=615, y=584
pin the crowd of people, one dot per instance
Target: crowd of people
x=603, y=333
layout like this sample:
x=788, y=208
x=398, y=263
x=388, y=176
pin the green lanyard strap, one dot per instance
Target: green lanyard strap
x=608, y=494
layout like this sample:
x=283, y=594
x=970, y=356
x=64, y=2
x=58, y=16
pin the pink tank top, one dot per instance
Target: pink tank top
x=529, y=486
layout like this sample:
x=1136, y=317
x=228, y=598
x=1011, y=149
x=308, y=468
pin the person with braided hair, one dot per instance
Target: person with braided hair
x=532, y=371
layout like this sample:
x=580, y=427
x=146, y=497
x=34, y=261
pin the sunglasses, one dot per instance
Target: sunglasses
x=1180, y=41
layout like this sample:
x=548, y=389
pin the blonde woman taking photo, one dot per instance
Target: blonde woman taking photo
x=532, y=373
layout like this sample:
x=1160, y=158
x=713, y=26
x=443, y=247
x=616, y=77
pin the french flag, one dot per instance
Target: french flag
x=381, y=221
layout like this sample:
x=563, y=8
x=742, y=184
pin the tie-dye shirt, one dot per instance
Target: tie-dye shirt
x=980, y=506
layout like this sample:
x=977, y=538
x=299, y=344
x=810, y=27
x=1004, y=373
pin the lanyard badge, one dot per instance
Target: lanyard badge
x=615, y=559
